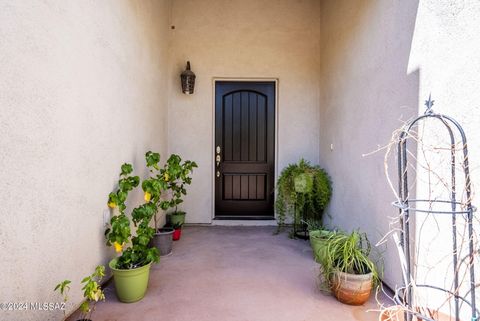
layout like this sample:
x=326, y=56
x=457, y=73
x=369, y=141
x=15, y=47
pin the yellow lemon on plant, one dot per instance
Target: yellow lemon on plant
x=148, y=197
x=118, y=246
x=166, y=177
x=112, y=204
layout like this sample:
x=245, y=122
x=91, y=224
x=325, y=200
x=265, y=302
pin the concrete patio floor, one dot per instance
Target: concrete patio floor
x=224, y=273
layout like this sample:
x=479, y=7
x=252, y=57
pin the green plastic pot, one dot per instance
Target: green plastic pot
x=130, y=285
x=303, y=183
x=177, y=218
x=318, y=242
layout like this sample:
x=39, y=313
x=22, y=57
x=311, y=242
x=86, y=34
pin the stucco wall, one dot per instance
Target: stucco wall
x=366, y=89
x=379, y=62
x=83, y=88
x=445, y=49
x=243, y=39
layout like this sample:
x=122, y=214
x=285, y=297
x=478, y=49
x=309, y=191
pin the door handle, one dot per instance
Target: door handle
x=218, y=158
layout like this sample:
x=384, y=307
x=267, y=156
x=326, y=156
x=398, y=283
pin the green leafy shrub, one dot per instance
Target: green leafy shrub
x=173, y=177
x=92, y=292
x=303, y=190
x=155, y=184
x=135, y=248
x=177, y=175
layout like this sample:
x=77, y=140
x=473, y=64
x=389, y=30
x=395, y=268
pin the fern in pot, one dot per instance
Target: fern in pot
x=348, y=270
x=303, y=193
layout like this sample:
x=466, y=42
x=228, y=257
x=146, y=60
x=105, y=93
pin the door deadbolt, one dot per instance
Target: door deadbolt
x=218, y=149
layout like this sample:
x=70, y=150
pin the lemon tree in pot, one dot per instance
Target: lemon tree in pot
x=347, y=269
x=153, y=188
x=131, y=268
x=177, y=175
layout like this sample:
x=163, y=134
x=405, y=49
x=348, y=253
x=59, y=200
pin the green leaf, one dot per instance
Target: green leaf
x=152, y=159
x=100, y=271
x=85, y=307
x=126, y=169
x=63, y=286
x=135, y=180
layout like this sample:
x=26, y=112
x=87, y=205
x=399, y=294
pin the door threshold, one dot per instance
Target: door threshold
x=244, y=222
x=245, y=217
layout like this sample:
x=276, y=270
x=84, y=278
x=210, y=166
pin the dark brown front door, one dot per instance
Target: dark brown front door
x=244, y=149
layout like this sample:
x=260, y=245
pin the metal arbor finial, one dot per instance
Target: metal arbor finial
x=429, y=104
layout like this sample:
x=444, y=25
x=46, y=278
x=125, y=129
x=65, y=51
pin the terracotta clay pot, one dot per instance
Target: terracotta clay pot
x=353, y=289
x=396, y=313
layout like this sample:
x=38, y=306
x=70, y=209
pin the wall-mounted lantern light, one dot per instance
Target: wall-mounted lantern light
x=188, y=80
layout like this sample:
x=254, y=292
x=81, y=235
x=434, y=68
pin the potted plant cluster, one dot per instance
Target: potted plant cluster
x=131, y=268
x=304, y=191
x=92, y=292
x=173, y=178
x=139, y=249
x=347, y=268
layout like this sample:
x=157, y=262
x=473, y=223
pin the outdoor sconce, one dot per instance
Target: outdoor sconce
x=188, y=80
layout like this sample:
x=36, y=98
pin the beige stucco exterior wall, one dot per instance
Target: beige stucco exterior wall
x=243, y=39
x=379, y=62
x=366, y=89
x=86, y=86
x=83, y=88
x=445, y=50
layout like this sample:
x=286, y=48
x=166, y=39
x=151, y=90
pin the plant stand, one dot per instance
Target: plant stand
x=300, y=228
x=407, y=295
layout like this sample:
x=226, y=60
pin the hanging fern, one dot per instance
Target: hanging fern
x=309, y=204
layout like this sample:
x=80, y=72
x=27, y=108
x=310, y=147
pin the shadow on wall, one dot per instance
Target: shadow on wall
x=367, y=92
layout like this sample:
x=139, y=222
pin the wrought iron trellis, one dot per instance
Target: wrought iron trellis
x=409, y=207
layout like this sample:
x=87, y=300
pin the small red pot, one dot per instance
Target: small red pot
x=176, y=234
